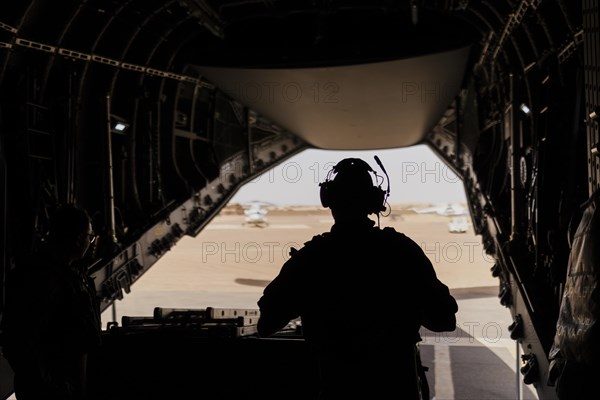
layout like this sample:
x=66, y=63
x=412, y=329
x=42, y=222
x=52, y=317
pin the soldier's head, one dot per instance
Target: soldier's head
x=352, y=190
x=70, y=233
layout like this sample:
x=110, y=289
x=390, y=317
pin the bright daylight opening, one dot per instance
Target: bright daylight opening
x=231, y=261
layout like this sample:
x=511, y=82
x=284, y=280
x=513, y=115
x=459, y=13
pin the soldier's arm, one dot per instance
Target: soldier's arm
x=438, y=306
x=280, y=302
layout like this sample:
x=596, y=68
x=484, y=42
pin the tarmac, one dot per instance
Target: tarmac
x=228, y=264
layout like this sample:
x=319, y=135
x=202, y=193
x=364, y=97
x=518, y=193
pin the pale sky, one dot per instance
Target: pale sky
x=416, y=174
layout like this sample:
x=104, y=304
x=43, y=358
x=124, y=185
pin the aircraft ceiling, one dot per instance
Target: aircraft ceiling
x=386, y=104
x=345, y=76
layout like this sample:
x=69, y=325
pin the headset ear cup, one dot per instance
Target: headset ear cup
x=324, y=194
x=376, y=200
x=380, y=202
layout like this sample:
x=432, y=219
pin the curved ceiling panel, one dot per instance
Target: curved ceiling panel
x=366, y=106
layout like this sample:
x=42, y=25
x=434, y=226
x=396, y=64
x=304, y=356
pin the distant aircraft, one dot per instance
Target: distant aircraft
x=256, y=214
x=451, y=209
x=458, y=225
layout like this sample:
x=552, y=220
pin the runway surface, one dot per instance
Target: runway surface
x=228, y=264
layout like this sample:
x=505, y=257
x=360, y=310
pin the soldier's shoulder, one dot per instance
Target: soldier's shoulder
x=318, y=240
x=393, y=237
x=391, y=233
x=315, y=244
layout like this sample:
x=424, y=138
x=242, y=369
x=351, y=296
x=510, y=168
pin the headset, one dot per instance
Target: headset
x=374, y=197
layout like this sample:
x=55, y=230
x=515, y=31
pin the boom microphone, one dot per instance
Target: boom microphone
x=387, y=192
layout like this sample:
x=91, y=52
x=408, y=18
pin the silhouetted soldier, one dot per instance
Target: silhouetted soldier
x=52, y=318
x=362, y=294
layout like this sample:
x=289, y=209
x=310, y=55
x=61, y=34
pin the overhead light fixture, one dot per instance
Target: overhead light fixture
x=526, y=110
x=118, y=125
